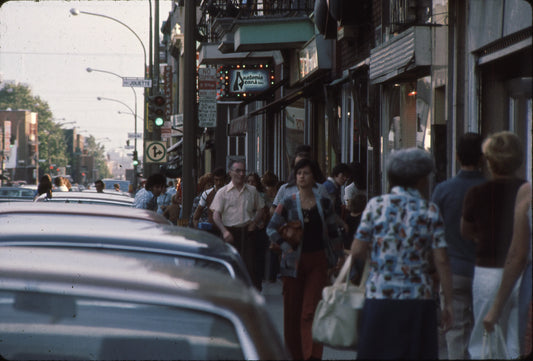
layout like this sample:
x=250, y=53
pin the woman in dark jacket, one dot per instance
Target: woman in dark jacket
x=304, y=267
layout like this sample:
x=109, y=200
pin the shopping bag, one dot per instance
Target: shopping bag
x=494, y=345
x=337, y=315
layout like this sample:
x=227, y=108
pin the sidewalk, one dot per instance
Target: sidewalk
x=274, y=300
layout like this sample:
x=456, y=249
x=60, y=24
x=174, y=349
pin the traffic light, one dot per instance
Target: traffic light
x=135, y=159
x=156, y=109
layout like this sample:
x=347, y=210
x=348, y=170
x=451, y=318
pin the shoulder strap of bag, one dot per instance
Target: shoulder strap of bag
x=344, y=274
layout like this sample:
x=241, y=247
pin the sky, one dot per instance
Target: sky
x=47, y=48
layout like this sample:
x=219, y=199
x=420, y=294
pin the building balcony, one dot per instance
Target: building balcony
x=251, y=26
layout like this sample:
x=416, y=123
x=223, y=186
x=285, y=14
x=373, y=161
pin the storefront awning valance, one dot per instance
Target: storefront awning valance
x=239, y=124
x=406, y=53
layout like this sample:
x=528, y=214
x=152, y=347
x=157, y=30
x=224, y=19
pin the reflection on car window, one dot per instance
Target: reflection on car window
x=38, y=325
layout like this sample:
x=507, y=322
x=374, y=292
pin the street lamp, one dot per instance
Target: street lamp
x=135, y=154
x=76, y=12
x=89, y=70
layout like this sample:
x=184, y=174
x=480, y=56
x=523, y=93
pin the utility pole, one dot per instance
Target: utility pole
x=189, y=114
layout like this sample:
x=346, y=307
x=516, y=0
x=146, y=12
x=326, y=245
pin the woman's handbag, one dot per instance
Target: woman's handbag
x=337, y=314
x=494, y=345
x=292, y=233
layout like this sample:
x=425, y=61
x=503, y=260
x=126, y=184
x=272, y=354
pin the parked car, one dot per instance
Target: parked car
x=16, y=194
x=138, y=232
x=86, y=197
x=109, y=184
x=81, y=304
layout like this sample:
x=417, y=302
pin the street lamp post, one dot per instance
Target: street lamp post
x=76, y=12
x=134, y=113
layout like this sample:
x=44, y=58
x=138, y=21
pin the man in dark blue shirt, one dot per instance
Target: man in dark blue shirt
x=449, y=196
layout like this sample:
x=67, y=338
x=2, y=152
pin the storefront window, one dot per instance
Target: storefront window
x=294, y=129
x=423, y=114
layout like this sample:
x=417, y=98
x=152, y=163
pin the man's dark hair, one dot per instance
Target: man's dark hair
x=155, y=179
x=219, y=172
x=341, y=168
x=469, y=149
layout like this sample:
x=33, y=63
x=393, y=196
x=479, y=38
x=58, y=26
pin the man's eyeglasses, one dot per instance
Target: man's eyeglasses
x=239, y=170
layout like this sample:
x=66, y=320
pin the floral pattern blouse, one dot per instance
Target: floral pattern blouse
x=403, y=229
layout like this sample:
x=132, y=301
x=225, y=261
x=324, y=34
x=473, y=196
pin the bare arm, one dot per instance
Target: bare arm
x=442, y=264
x=516, y=258
x=359, y=249
x=196, y=216
x=217, y=218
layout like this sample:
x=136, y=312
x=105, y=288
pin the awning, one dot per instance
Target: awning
x=280, y=103
x=239, y=125
x=403, y=56
x=174, y=146
x=208, y=53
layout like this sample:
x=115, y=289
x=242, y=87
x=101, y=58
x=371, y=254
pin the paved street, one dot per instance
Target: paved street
x=272, y=293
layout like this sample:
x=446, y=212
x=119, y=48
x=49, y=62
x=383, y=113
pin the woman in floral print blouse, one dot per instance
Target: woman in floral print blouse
x=403, y=234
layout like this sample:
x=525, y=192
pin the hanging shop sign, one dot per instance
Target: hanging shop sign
x=238, y=82
x=207, y=97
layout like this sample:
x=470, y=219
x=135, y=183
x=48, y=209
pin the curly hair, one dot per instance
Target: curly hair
x=504, y=152
x=406, y=167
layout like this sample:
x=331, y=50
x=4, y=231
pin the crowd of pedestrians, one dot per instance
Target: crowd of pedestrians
x=456, y=257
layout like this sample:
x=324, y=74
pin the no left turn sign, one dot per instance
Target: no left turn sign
x=155, y=152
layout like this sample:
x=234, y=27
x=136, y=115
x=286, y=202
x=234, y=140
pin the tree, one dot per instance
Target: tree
x=50, y=136
x=97, y=150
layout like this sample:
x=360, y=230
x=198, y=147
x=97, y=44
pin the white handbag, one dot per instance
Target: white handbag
x=494, y=345
x=336, y=317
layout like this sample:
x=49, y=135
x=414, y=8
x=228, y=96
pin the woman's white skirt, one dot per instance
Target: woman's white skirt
x=486, y=284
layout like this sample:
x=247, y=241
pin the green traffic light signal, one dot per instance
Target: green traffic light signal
x=158, y=121
x=157, y=110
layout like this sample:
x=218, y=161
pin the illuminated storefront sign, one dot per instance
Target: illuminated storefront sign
x=241, y=81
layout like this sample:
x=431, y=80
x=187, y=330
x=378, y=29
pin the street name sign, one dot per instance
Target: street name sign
x=132, y=135
x=137, y=82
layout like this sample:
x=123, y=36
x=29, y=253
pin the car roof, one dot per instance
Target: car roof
x=114, y=198
x=81, y=209
x=84, y=273
x=99, y=226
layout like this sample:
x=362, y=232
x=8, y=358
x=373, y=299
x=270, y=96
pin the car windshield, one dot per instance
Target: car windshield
x=59, y=327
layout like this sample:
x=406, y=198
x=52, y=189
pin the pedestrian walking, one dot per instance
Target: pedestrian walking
x=487, y=219
x=449, y=196
x=340, y=173
x=270, y=183
x=304, y=266
x=237, y=210
x=404, y=234
x=262, y=241
x=44, y=189
x=59, y=183
x=146, y=198
x=164, y=199
x=205, y=182
x=302, y=152
x=203, y=216
x=517, y=264
x=99, y=185
x=172, y=211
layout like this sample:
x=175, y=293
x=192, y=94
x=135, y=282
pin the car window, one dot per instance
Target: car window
x=58, y=326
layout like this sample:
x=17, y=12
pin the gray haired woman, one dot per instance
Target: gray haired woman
x=404, y=234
